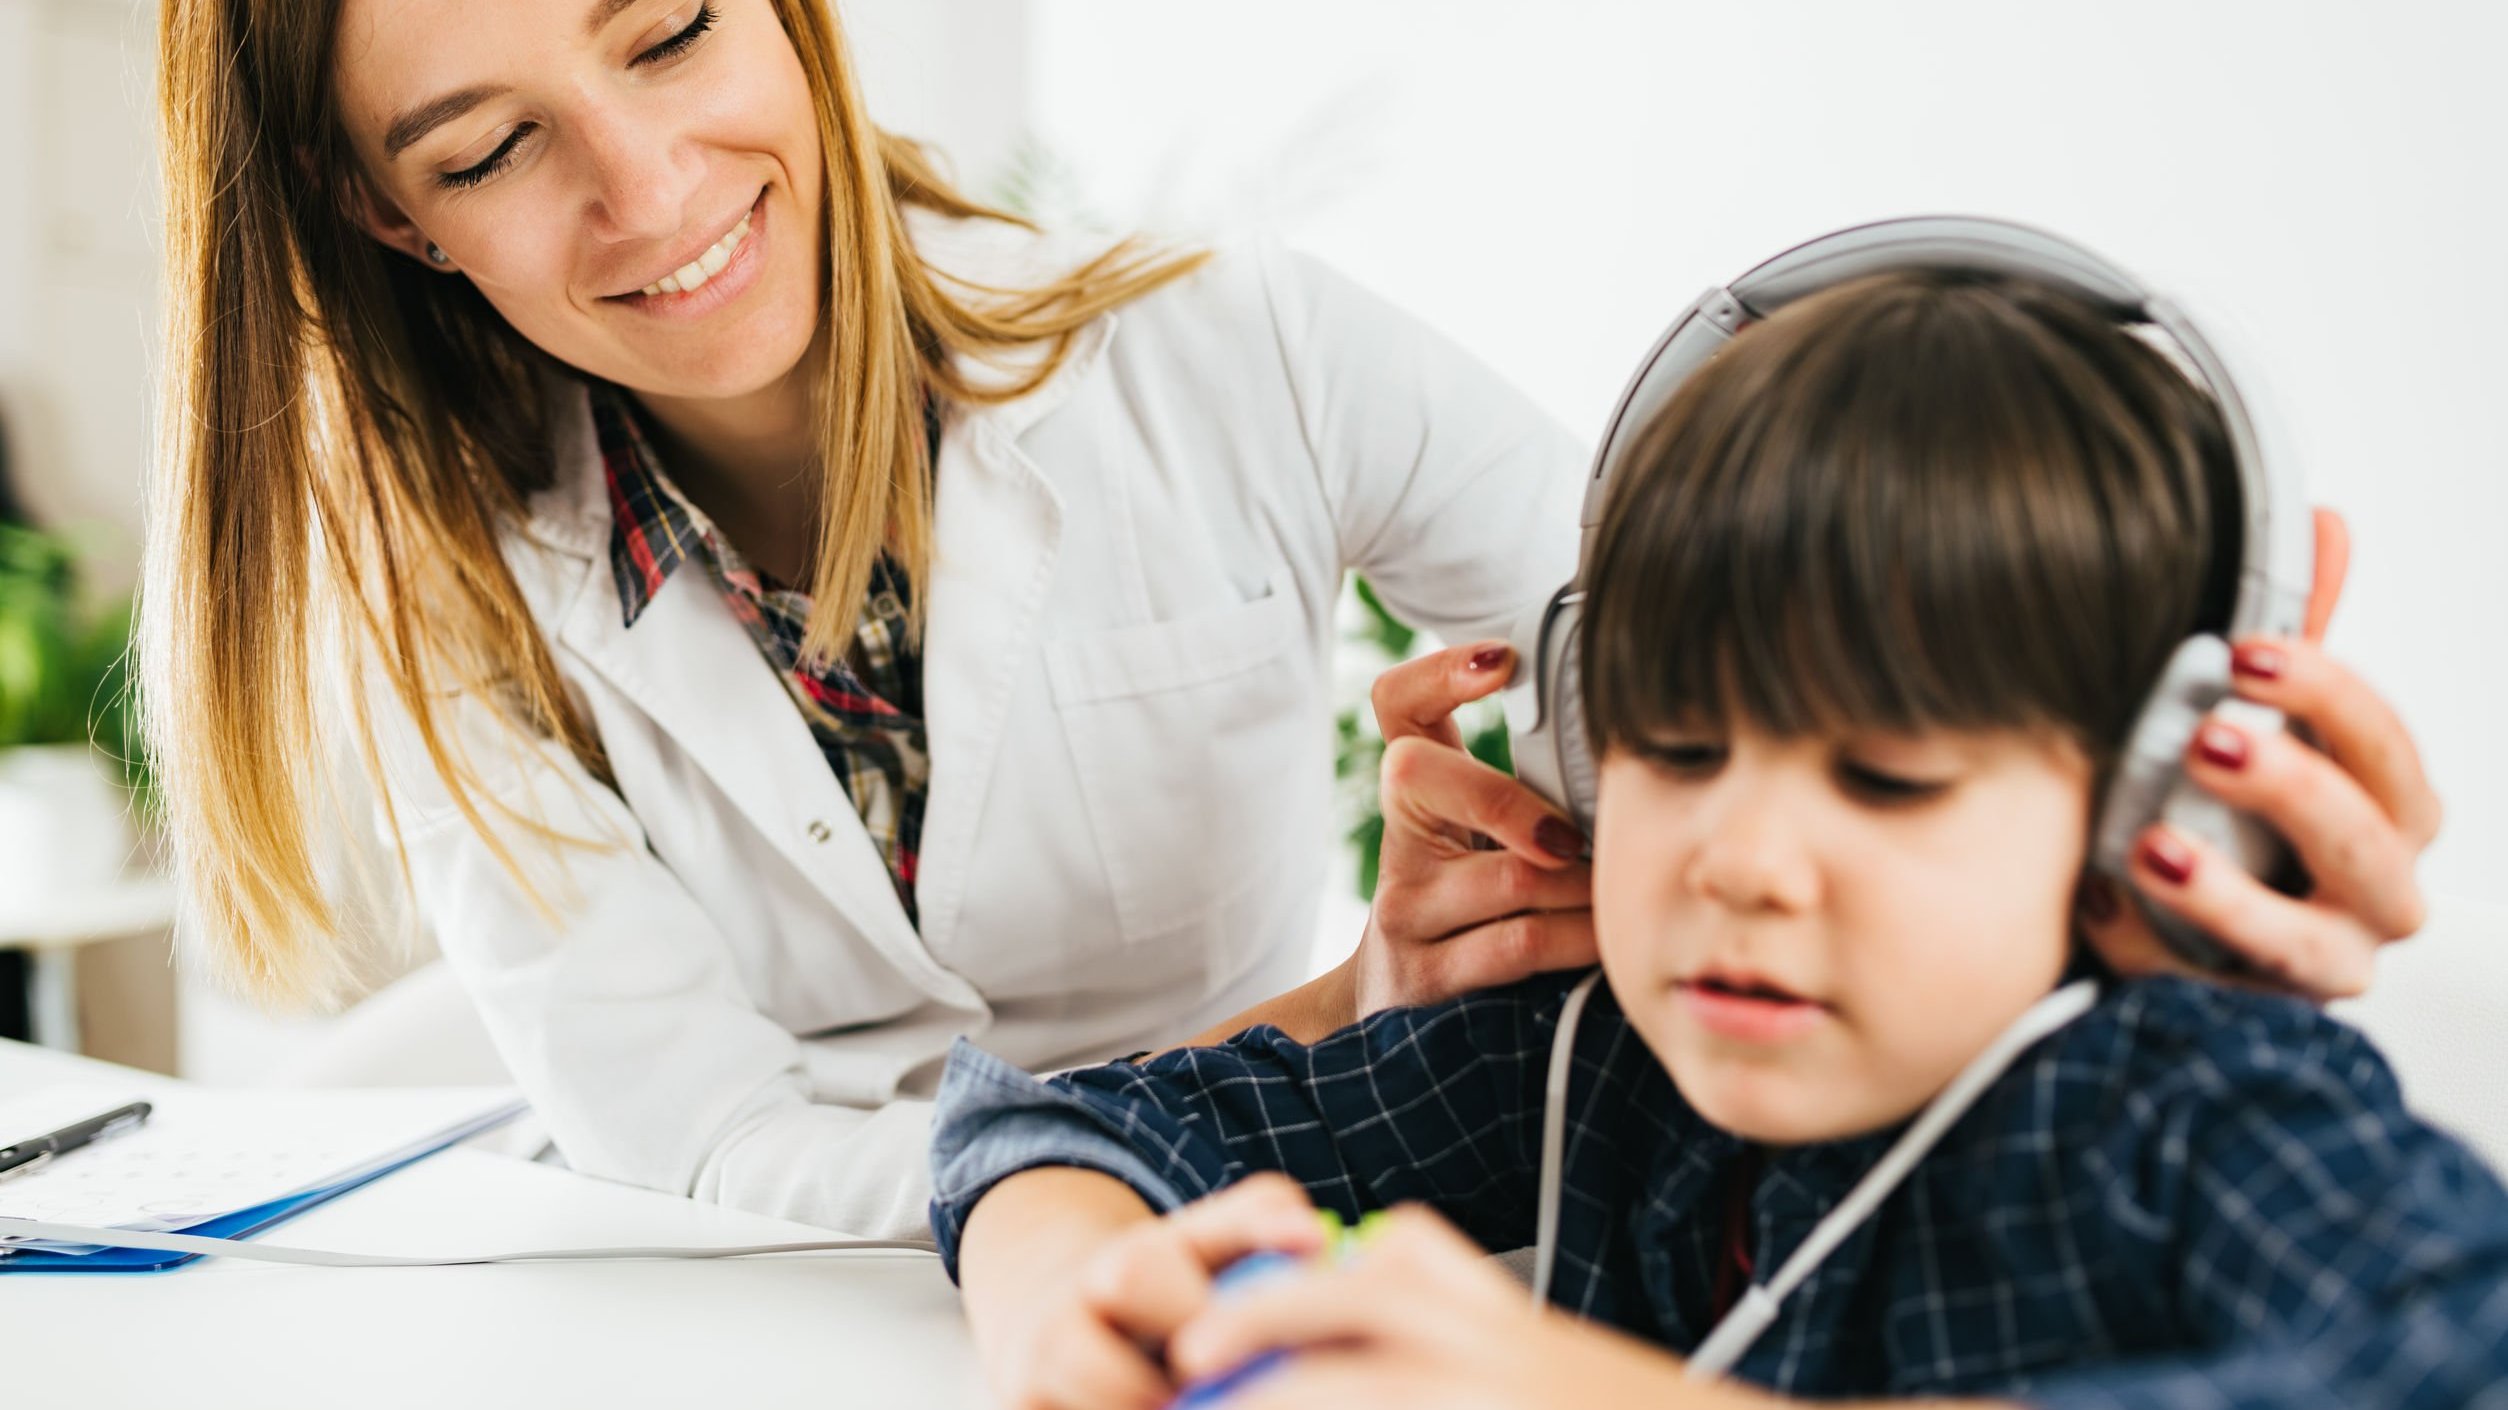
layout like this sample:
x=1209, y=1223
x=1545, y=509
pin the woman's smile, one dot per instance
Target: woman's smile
x=721, y=272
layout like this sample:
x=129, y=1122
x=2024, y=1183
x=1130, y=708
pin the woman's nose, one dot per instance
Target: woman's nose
x=644, y=174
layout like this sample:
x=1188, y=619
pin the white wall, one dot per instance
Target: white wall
x=1549, y=183
x=78, y=237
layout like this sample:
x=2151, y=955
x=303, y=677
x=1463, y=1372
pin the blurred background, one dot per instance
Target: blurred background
x=1546, y=183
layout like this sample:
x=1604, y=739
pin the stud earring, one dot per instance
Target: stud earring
x=436, y=255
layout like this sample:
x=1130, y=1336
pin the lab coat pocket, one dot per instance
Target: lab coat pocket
x=1187, y=737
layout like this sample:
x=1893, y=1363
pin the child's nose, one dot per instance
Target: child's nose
x=1754, y=859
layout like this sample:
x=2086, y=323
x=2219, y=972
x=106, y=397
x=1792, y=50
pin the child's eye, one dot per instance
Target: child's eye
x=1687, y=760
x=681, y=42
x=1888, y=789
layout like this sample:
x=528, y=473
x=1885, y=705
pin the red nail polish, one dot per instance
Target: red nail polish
x=2172, y=859
x=2222, y=745
x=1559, y=839
x=1489, y=658
x=2097, y=900
x=2257, y=661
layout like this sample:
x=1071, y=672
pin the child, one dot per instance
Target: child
x=1873, y=607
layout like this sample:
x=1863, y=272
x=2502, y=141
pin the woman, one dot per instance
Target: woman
x=795, y=616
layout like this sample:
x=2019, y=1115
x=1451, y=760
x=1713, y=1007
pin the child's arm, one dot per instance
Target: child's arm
x=2327, y=1247
x=1439, y=1105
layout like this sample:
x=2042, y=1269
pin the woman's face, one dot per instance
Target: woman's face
x=569, y=157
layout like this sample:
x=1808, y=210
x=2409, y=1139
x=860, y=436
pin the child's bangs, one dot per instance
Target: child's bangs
x=1907, y=504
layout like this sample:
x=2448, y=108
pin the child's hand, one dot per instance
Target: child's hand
x=1084, y=1333
x=1421, y=1317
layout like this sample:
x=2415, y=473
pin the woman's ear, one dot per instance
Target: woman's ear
x=2333, y=563
x=380, y=218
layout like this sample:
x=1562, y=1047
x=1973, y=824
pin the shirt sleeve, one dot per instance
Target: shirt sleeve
x=1439, y=1105
x=2333, y=1249
x=1448, y=489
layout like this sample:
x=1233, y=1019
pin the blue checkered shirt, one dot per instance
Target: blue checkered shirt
x=2188, y=1197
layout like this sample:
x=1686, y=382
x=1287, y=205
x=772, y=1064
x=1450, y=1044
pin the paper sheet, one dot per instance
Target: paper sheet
x=207, y=1153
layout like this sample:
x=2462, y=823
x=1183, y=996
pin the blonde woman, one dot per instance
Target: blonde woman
x=793, y=615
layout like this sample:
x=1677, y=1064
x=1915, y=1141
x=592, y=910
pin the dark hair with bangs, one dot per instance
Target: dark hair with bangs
x=1914, y=501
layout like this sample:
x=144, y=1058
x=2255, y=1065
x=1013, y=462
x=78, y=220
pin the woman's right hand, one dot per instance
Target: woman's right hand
x=1480, y=881
x=1072, y=1289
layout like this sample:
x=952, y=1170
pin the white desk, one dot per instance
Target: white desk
x=822, y=1330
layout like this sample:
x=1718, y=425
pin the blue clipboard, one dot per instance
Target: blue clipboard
x=243, y=1223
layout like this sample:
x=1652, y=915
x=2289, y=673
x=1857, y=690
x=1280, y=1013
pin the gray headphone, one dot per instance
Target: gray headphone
x=1543, y=707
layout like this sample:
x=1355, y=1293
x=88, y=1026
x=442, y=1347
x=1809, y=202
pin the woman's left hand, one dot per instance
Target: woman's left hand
x=1421, y=1317
x=2355, y=806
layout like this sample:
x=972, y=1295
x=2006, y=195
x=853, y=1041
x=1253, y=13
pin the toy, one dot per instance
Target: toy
x=1257, y=1269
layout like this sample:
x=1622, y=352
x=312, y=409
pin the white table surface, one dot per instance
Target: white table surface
x=870, y=1329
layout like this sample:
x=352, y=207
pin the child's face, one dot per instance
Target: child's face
x=1814, y=935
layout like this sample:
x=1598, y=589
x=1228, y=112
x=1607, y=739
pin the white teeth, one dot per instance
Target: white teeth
x=695, y=272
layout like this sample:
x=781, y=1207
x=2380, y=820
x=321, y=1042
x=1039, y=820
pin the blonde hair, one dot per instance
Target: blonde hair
x=346, y=438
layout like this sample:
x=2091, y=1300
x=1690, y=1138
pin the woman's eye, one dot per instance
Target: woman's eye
x=496, y=161
x=681, y=42
x=1880, y=786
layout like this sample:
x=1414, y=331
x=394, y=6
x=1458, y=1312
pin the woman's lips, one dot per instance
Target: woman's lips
x=734, y=280
x=1746, y=1015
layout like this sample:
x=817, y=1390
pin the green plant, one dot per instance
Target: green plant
x=1360, y=756
x=64, y=672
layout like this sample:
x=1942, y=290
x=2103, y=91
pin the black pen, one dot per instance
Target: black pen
x=28, y=1154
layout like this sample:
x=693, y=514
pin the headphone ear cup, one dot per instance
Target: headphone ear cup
x=1579, y=777
x=1545, y=709
x=2150, y=785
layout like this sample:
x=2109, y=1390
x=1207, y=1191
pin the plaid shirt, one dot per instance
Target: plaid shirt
x=865, y=714
x=2188, y=1197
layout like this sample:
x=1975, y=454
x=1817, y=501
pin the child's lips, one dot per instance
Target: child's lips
x=1748, y=1013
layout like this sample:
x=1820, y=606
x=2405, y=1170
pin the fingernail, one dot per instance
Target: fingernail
x=2257, y=661
x=2172, y=859
x=1560, y=839
x=2222, y=745
x=1490, y=658
x=2097, y=900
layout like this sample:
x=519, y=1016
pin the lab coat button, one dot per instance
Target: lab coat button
x=818, y=831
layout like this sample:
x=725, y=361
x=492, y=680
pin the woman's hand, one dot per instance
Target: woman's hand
x=2355, y=806
x=1480, y=882
x=1421, y=1317
x=1071, y=1285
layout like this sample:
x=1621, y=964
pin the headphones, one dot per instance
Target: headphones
x=1544, y=708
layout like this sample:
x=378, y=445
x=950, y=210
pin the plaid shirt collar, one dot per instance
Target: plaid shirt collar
x=654, y=527
x=864, y=710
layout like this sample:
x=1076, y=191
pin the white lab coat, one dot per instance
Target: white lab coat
x=1126, y=679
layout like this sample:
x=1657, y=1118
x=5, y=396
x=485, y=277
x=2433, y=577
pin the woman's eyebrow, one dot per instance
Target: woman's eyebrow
x=417, y=122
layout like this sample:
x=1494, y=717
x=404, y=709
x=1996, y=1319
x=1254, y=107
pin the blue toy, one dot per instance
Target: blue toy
x=1254, y=1270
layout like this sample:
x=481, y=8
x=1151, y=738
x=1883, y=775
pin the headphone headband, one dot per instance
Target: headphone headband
x=2278, y=547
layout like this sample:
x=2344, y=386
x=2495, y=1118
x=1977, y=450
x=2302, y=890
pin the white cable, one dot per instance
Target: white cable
x=322, y=1258
x=1740, y=1327
x=1554, y=1135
